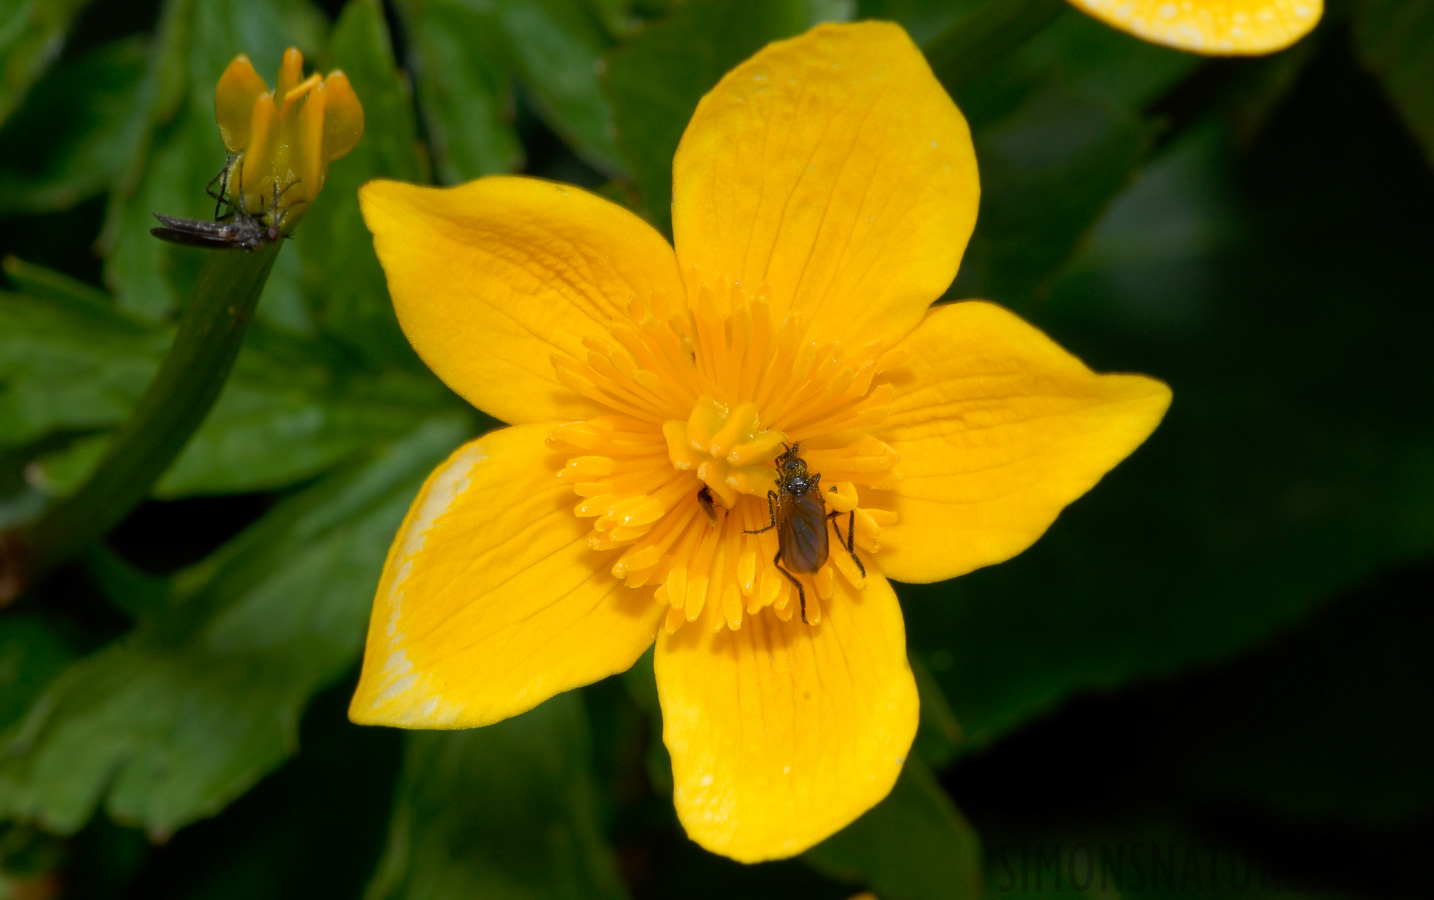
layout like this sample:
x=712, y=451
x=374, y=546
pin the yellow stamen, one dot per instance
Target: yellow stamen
x=707, y=395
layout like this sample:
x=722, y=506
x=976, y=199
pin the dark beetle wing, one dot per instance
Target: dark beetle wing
x=802, y=531
x=190, y=238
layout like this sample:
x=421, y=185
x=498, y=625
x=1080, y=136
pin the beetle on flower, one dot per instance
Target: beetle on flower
x=823, y=195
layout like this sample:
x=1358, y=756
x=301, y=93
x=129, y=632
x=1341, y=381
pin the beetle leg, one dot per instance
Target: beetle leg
x=771, y=515
x=801, y=593
x=850, y=542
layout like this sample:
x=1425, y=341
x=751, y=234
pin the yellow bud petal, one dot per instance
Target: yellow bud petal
x=307, y=156
x=234, y=98
x=302, y=89
x=255, y=175
x=343, y=117
x=291, y=72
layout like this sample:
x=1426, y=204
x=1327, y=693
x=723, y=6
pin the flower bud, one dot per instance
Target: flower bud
x=283, y=140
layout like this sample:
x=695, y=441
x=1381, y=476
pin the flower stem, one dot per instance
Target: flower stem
x=211, y=331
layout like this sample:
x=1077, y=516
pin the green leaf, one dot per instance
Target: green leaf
x=42, y=283
x=464, y=90
x=342, y=280
x=505, y=811
x=1048, y=170
x=655, y=80
x=32, y=654
x=149, y=277
x=70, y=364
x=991, y=54
x=967, y=53
x=182, y=716
x=619, y=18
x=1055, y=102
x=914, y=845
x=32, y=32
x=1090, y=58
x=922, y=19
x=555, y=49
x=68, y=140
x=1292, y=464
x=288, y=413
x=465, y=53
x=1393, y=39
x=939, y=737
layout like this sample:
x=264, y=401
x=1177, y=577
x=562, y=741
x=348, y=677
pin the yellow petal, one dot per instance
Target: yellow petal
x=997, y=429
x=491, y=600
x=1215, y=27
x=256, y=173
x=491, y=278
x=782, y=733
x=343, y=116
x=234, y=98
x=834, y=169
x=308, y=159
x=302, y=89
x=291, y=73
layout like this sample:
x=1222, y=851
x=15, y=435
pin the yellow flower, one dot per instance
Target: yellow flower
x=1215, y=27
x=824, y=192
x=286, y=137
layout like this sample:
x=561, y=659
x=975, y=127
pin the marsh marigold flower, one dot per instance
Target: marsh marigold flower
x=823, y=194
x=1214, y=27
x=285, y=137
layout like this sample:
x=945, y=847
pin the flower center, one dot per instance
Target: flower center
x=728, y=450
x=702, y=401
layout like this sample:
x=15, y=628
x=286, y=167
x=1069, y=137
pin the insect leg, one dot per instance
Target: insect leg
x=801, y=593
x=850, y=542
x=240, y=208
x=222, y=177
x=771, y=513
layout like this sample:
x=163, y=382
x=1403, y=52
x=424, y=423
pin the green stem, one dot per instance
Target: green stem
x=211, y=331
x=968, y=49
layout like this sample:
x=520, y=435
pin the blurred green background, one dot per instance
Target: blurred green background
x=1211, y=677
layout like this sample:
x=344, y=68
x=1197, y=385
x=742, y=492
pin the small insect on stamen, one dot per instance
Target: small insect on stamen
x=704, y=500
x=798, y=512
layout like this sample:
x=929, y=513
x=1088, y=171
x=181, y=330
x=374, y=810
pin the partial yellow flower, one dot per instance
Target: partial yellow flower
x=1214, y=27
x=823, y=195
x=287, y=137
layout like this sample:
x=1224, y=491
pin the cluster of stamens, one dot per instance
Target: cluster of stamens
x=703, y=399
